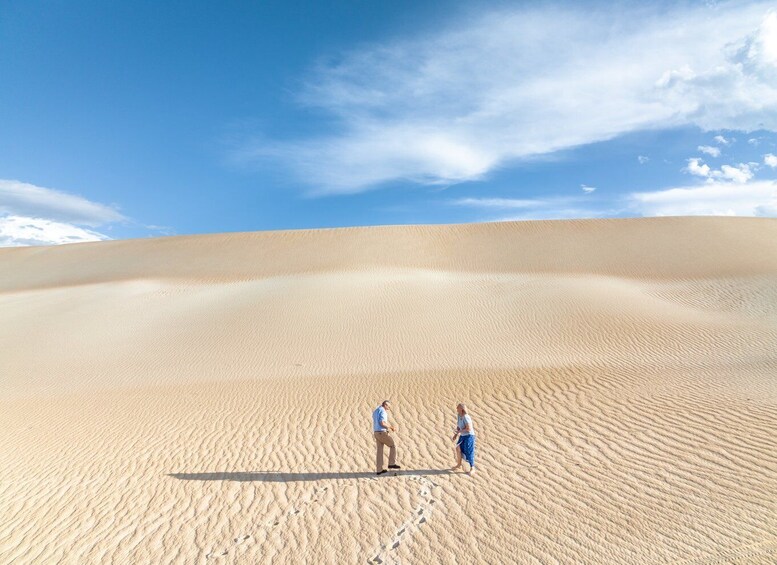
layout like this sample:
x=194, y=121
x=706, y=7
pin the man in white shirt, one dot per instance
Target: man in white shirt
x=380, y=429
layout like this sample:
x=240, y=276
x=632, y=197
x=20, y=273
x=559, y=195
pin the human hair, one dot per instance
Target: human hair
x=384, y=403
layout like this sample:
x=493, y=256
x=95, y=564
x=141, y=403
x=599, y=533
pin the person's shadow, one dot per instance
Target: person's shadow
x=281, y=477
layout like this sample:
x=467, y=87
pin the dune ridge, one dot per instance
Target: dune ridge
x=206, y=399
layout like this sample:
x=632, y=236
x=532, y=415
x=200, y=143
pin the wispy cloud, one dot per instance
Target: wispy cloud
x=36, y=201
x=722, y=140
x=709, y=150
x=500, y=203
x=20, y=230
x=548, y=208
x=642, y=159
x=758, y=198
x=461, y=102
x=587, y=189
x=728, y=191
x=34, y=215
x=770, y=160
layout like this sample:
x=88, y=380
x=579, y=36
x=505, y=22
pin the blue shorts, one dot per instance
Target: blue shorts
x=467, y=446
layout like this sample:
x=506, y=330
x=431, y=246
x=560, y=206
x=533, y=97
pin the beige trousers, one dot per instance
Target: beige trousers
x=381, y=439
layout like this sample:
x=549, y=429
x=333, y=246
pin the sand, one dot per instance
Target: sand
x=207, y=399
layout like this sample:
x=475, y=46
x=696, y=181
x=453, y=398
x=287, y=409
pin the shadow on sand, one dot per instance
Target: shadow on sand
x=279, y=477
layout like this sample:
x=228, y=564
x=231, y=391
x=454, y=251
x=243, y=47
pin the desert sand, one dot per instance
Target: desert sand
x=207, y=399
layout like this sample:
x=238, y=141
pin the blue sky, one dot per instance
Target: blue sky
x=143, y=119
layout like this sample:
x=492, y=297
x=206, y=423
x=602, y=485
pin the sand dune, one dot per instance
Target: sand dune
x=207, y=399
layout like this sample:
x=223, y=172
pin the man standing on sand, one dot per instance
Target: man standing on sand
x=380, y=429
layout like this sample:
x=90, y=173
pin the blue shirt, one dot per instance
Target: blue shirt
x=378, y=416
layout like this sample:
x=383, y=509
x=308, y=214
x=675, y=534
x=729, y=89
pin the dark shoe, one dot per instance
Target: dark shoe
x=381, y=472
x=394, y=467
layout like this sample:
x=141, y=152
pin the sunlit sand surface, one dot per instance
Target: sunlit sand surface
x=207, y=399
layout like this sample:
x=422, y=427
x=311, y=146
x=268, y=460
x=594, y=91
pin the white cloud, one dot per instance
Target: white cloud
x=460, y=102
x=709, y=150
x=34, y=215
x=642, y=159
x=19, y=230
x=555, y=213
x=770, y=160
x=548, y=208
x=716, y=197
x=721, y=140
x=587, y=189
x=25, y=199
x=741, y=173
x=697, y=167
x=498, y=203
x=754, y=141
x=712, y=199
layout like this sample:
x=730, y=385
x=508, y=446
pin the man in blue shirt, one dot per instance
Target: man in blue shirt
x=380, y=429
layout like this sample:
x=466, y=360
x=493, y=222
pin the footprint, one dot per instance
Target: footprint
x=241, y=539
x=411, y=527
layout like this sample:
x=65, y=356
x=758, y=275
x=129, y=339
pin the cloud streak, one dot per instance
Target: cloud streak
x=18, y=231
x=35, y=201
x=459, y=103
x=709, y=150
x=754, y=198
x=758, y=198
x=34, y=215
x=548, y=208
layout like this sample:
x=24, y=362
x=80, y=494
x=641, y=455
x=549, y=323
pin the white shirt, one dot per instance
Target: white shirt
x=462, y=421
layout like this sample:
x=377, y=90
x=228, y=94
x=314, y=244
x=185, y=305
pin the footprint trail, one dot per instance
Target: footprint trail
x=386, y=553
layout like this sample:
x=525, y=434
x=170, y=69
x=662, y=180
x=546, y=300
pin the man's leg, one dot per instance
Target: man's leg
x=379, y=456
x=392, y=450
